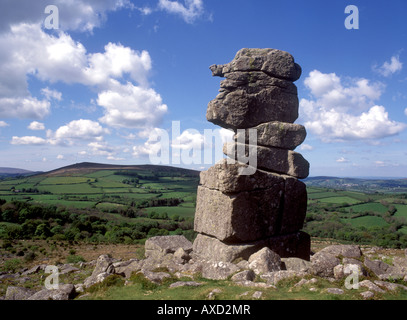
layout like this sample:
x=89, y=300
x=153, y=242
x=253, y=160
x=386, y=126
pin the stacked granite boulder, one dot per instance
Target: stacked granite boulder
x=238, y=214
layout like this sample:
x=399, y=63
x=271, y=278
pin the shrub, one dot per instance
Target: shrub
x=29, y=256
x=11, y=265
x=74, y=259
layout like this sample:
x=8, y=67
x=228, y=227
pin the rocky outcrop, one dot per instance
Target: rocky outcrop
x=263, y=269
x=238, y=213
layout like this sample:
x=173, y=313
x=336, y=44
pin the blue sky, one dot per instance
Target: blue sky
x=115, y=72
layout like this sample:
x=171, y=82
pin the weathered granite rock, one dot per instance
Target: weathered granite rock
x=126, y=269
x=275, y=134
x=241, y=217
x=250, y=215
x=185, y=284
x=296, y=264
x=243, y=208
x=378, y=267
x=292, y=245
x=371, y=286
x=255, y=80
x=244, y=108
x=323, y=264
x=264, y=261
x=103, y=268
x=341, y=250
x=335, y=291
x=226, y=177
x=18, y=293
x=65, y=292
x=342, y=270
x=246, y=275
x=276, y=63
x=275, y=277
x=270, y=159
x=162, y=245
x=218, y=270
x=156, y=277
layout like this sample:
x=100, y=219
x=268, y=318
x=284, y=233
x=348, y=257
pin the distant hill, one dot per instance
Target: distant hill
x=88, y=167
x=359, y=184
x=6, y=172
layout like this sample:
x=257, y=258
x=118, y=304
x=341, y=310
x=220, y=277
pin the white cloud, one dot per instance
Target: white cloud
x=405, y=111
x=189, y=12
x=188, y=140
x=80, y=130
x=339, y=111
x=24, y=108
x=157, y=142
x=306, y=147
x=29, y=50
x=3, y=124
x=51, y=94
x=60, y=157
x=28, y=140
x=80, y=15
x=35, y=125
x=342, y=160
x=389, y=68
x=130, y=106
x=114, y=62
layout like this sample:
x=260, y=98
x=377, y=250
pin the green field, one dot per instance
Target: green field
x=108, y=190
x=370, y=221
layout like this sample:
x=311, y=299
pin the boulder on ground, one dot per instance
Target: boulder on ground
x=65, y=292
x=264, y=261
x=323, y=264
x=162, y=245
x=18, y=293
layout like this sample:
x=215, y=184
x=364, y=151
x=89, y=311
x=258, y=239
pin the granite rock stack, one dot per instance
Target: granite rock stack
x=238, y=214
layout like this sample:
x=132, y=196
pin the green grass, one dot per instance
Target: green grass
x=339, y=200
x=401, y=210
x=371, y=206
x=171, y=211
x=366, y=221
x=141, y=289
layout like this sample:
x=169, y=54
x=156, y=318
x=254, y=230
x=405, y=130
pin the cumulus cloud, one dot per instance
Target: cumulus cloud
x=3, y=124
x=78, y=15
x=35, y=125
x=28, y=140
x=79, y=130
x=72, y=133
x=189, y=12
x=342, y=160
x=24, y=108
x=346, y=110
x=51, y=94
x=130, y=106
x=30, y=50
x=405, y=111
x=306, y=147
x=389, y=68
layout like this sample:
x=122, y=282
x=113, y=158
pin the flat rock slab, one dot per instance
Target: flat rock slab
x=276, y=63
x=247, y=216
x=275, y=134
x=244, y=108
x=162, y=245
x=226, y=211
x=270, y=159
x=292, y=245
